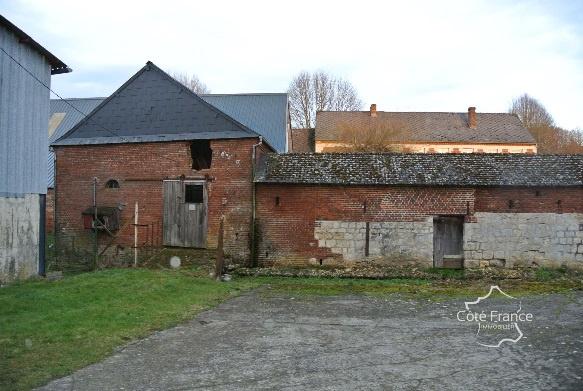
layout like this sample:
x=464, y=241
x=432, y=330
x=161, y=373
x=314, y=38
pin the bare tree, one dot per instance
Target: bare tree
x=192, y=82
x=550, y=139
x=531, y=112
x=377, y=135
x=319, y=91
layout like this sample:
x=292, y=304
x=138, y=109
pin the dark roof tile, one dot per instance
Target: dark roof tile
x=422, y=169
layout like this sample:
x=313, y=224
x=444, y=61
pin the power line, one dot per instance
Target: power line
x=85, y=116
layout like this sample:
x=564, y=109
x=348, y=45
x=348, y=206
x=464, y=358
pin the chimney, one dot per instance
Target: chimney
x=472, y=120
x=373, y=110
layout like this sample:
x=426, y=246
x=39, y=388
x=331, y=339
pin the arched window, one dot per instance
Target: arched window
x=112, y=184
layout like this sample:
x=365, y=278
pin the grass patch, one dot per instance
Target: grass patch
x=340, y=286
x=548, y=274
x=49, y=329
x=455, y=274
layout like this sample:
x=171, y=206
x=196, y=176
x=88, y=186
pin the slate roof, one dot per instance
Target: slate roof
x=266, y=114
x=151, y=106
x=422, y=169
x=302, y=140
x=64, y=117
x=428, y=126
x=57, y=66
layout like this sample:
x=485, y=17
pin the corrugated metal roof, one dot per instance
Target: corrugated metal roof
x=422, y=169
x=427, y=126
x=267, y=114
x=70, y=118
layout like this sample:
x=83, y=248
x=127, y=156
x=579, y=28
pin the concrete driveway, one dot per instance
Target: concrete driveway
x=263, y=341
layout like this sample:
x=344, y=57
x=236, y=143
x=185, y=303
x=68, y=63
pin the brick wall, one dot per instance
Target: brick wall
x=529, y=200
x=140, y=170
x=301, y=224
x=287, y=214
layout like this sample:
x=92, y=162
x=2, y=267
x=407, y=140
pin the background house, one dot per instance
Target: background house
x=25, y=76
x=423, y=132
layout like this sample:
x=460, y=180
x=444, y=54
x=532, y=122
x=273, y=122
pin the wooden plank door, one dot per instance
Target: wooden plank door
x=448, y=235
x=185, y=214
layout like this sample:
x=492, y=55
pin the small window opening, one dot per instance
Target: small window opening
x=193, y=194
x=321, y=261
x=267, y=254
x=201, y=154
x=511, y=204
x=537, y=193
x=112, y=184
x=277, y=201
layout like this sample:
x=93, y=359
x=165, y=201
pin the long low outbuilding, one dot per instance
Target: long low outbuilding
x=431, y=209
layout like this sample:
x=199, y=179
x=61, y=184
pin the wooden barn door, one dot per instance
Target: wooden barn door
x=448, y=235
x=185, y=214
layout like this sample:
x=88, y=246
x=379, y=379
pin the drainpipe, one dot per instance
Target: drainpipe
x=253, y=203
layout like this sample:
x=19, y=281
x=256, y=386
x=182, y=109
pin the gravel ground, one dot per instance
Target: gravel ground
x=264, y=341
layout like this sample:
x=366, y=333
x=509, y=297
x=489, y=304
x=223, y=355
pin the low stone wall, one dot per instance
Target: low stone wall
x=396, y=241
x=524, y=239
x=19, y=237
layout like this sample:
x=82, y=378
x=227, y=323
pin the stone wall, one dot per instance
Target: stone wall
x=395, y=241
x=514, y=239
x=19, y=237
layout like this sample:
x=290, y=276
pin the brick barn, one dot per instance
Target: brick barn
x=431, y=209
x=184, y=161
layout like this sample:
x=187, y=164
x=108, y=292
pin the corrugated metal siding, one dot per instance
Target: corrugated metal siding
x=24, y=115
x=71, y=118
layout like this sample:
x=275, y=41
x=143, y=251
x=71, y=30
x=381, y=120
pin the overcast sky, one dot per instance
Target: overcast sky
x=401, y=55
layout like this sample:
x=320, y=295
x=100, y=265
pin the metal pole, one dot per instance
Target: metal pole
x=220, y=254
x=136, y=235
x=95, y=244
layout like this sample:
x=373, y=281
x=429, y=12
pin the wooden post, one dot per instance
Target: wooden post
x=136, y=235
x=220, y=261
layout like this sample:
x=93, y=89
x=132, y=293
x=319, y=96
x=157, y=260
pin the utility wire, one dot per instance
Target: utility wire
x=85, y=116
